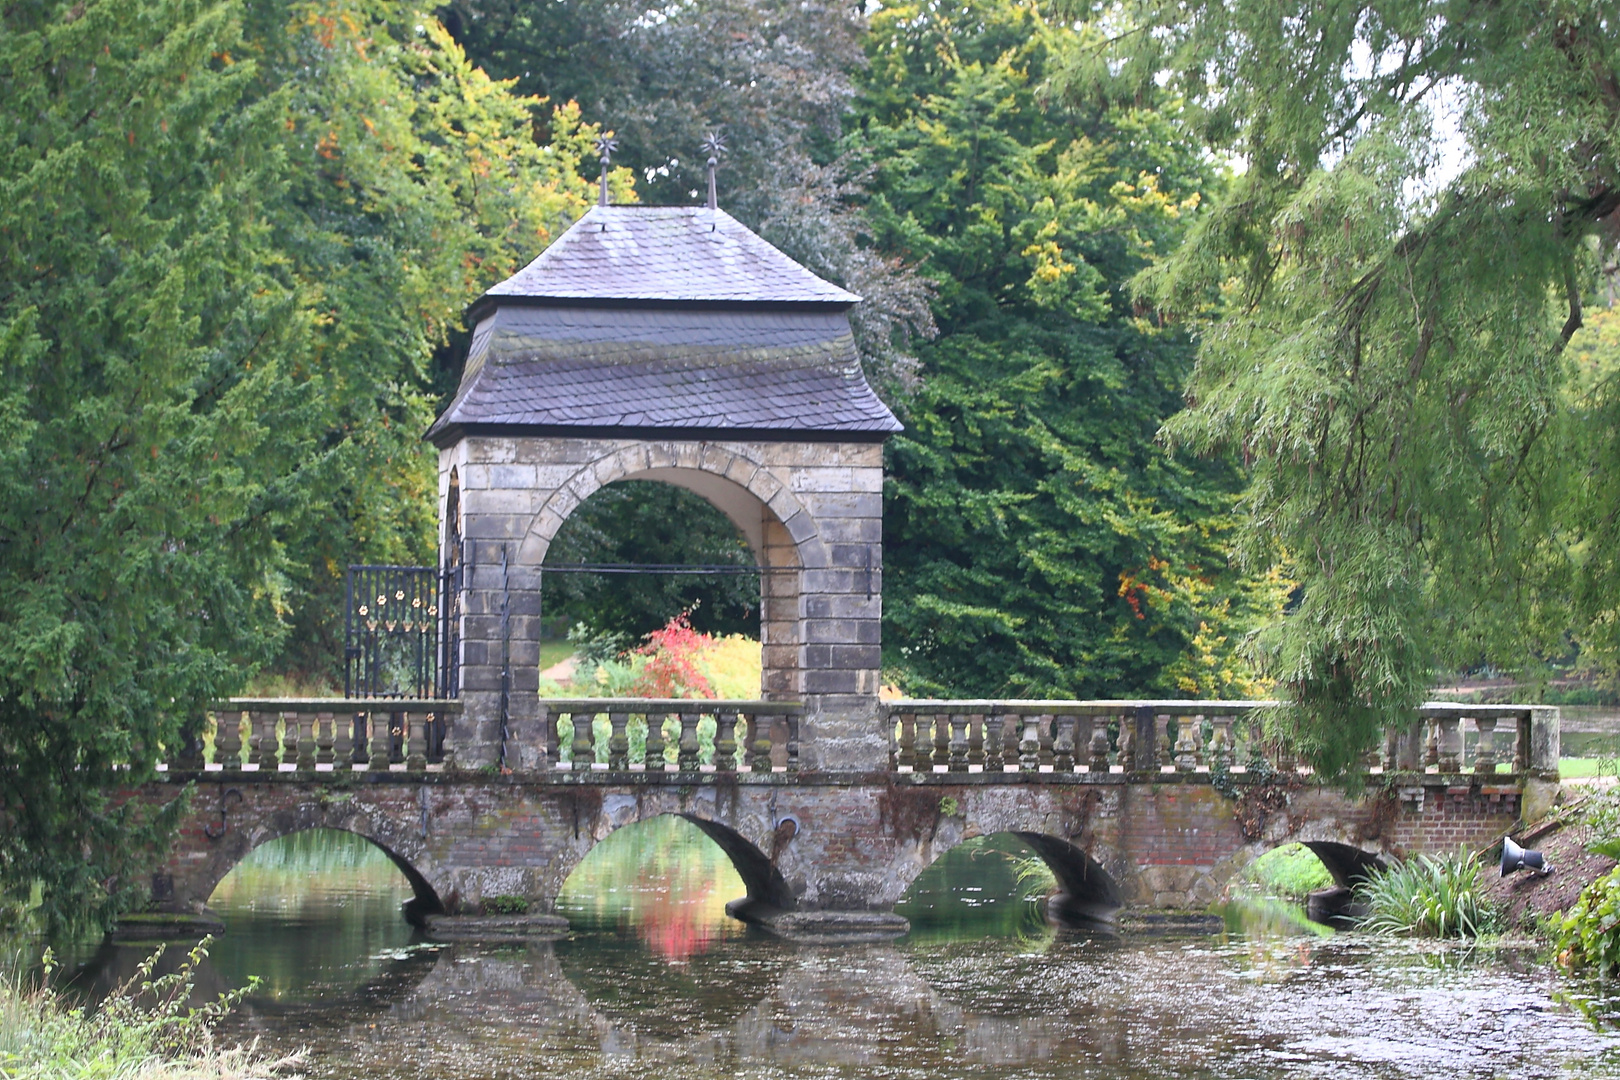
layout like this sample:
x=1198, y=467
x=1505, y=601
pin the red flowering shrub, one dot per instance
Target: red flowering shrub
x=671, y=670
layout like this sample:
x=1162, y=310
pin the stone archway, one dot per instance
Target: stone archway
x=812, y=511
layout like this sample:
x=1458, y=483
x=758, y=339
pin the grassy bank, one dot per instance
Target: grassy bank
x=147, y=1029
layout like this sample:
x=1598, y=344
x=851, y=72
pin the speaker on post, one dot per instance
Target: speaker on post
x=1515, y=858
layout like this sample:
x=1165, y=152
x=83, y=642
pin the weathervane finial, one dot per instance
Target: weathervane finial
x=605, y=145
x=713, y=147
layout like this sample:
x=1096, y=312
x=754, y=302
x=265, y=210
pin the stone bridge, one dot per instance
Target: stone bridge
x=1136, y=806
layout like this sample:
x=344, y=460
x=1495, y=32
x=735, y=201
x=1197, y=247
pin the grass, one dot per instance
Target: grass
x=146, y=1029
x=1428, y=897
x=553, y=653
x=1292, y=871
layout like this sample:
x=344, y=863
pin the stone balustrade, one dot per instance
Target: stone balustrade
x=1062, y=738
x=668, y=735
x=321, y=735
x=683, y=736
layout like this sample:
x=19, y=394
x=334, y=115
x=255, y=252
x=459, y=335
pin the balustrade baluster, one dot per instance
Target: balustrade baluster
x=228, y=739
x=1063, y=743
x=759, y=742
x=725, y=741
x=447, y=747
x=1485, y=750
x=956, y=759
x=687, y=750
x=1188, y=732
x=1450, y=744
x=1409, y=746
x=656, y=744
x=1521, y=744
x=994, y=745
x=1127, y=743
x=1161, y=739
x=343, y=741
x=1392, y=746
x=924, y=748
x=793, y=743
x=1098, y=744
x=325, y=739
x=381, y=729
x=905, y=756
x=583, y=747
x=265, y=743
x=1044, y=729
x=941, y=727
x=1029, y=743
x=619, y=741
x=1431, y=749
x=549, y=748
x=416, y=742
x=1257, y=743
x=1220, y=744
x=289, y=741
x=975, y=737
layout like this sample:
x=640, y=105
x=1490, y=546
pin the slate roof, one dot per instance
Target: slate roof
x=658, y=323
x=682, y=253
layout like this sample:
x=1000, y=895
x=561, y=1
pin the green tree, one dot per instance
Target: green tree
x=1038, y=542
x=1385, y=294
x=415, y=183
x=148, y=334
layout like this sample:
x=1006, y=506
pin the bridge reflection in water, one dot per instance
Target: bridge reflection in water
x=369, y=1000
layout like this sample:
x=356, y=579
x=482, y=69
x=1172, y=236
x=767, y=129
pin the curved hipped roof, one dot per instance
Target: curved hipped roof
x=663, y=255
x=669, y=321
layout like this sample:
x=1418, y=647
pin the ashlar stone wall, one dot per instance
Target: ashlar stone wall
x=811, y=511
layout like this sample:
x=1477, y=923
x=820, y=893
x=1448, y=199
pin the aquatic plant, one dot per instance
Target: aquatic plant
x=1588, y=936
x=147, y=1028
x=1428, y=896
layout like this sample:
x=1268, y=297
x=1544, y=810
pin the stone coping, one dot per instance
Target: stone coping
x=1488, y=783
x=1167, y=706
x=338, y=705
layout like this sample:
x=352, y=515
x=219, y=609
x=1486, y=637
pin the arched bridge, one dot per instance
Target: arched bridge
x=1145, y=805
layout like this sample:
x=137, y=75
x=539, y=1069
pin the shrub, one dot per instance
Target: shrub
x=1589, y=935
x=1428, y=897
x=671, y=670
x=147, y=1027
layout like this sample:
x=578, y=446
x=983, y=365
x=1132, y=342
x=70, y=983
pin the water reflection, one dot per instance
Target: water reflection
x=1269, y=998
x=662, y=879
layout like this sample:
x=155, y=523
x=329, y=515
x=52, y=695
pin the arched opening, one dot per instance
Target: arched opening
x=597, y=620
x=1316, y=878
x=1011, y=883
x=673, y=882
x=316, y=911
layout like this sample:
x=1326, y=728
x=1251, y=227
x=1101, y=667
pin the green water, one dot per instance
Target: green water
x=657, y=982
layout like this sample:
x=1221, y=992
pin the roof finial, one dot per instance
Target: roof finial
x=605, y=145
x=713, y=147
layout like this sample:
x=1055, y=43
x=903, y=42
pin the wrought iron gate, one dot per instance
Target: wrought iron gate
x=397, y=632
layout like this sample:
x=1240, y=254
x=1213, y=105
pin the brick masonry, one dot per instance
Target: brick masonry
x=861, y=839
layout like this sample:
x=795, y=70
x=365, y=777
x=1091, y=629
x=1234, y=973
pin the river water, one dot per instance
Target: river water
x=657, y=982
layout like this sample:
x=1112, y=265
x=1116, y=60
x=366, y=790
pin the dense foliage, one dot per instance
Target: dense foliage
x=1038, y=543
x=231, y=237
x=1385, y=295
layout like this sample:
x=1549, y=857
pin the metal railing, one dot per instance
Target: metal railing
x=1066, y=737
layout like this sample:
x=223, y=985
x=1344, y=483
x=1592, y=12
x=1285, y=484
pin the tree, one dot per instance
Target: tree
x=415, y=183
x=232, y=239
x=147, y=335
x=1384, y=310
x=1037, y=542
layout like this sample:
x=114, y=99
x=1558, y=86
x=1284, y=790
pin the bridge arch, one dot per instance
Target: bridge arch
x=407, y=854
x=763, y=882
x=1087, y=893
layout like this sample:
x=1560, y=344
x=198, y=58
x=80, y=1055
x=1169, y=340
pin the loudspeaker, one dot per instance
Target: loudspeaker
x=1516, y=858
